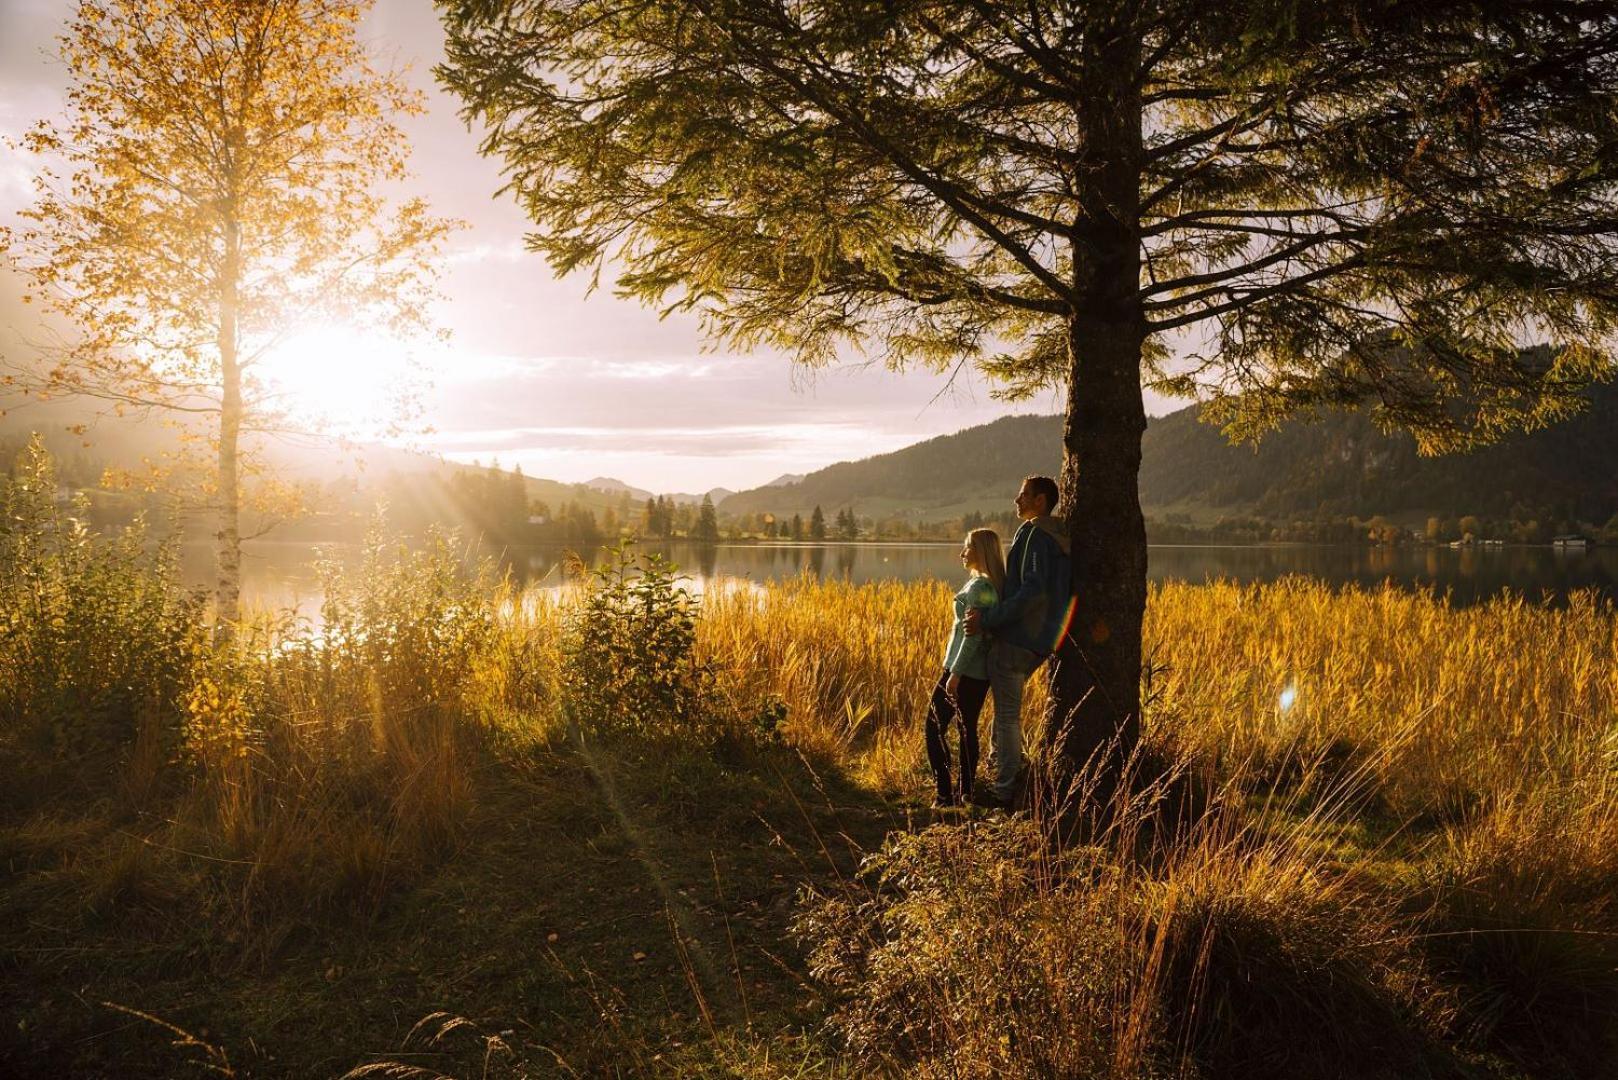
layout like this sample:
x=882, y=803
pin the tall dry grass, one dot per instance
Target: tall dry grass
x=1447, y=707
x=297, y=767
x=331, y=759
x=1454, y=707
x=984, y=950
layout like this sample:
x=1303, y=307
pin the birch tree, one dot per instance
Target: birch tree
x=222, y=174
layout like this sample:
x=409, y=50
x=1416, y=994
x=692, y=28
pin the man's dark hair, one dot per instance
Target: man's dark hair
x=1044, y=485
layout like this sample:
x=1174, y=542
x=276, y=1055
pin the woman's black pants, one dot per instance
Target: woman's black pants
x=941, y=711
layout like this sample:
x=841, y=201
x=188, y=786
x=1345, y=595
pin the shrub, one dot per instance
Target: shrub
x=1273, y=968
x=630, y=661
x=330, y=760
x=960, y=956
x=415, y=618
x=96, y=634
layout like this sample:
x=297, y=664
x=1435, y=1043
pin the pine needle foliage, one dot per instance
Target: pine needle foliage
x=1359, y=200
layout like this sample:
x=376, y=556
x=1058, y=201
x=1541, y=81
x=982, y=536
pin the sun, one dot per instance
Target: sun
x=345, y=380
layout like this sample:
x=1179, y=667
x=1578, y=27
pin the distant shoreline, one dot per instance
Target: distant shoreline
x=555, y=545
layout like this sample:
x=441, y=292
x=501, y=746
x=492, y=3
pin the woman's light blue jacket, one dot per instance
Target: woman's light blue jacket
x=969, y=656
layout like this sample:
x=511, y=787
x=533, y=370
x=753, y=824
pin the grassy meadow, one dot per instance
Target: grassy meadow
x=460, y=829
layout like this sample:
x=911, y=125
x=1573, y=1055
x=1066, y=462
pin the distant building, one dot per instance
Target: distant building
x=1570, y=541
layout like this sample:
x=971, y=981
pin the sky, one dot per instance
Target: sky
x=536, y=372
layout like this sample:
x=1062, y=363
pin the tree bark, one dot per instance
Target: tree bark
x=1095, y=678
x=227, y=597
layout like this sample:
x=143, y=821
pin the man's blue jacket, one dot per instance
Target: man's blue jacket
x=1035, y=604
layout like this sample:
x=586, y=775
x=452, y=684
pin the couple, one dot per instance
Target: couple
x=1009, y=616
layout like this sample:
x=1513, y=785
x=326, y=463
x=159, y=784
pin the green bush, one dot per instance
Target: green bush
x=97, y=636
x=416, y=619
x=630, y=661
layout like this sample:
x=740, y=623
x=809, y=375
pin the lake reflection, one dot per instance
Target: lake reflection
x=280, y=575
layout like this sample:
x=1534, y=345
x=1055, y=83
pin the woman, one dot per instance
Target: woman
x=965, y=682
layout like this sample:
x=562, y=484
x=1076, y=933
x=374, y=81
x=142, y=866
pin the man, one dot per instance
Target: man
x=1027, y=625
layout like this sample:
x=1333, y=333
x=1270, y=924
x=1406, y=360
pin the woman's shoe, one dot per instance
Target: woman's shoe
x=945, y=802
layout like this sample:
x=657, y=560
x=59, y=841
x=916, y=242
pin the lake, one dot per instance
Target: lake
x=280, y=575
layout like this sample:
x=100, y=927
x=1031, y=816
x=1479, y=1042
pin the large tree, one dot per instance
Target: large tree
x=1303, y=204
x=225, y=172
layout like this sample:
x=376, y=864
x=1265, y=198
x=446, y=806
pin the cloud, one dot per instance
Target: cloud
x=510, y=252
x=649, y=369
x=503, y=374
x=449, y=367
x=701, y=442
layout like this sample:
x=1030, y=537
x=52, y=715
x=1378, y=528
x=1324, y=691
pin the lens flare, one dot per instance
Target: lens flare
x=1067, y=624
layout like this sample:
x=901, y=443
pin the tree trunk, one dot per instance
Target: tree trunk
x=1095, y=678
x=227, y=597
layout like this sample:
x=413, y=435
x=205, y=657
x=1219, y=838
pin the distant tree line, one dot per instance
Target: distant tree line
x=494, y=503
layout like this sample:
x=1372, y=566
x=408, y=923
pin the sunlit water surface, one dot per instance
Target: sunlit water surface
x=282, y=575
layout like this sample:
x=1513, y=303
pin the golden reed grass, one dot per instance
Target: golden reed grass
x=330, y=761
x=1448, y=705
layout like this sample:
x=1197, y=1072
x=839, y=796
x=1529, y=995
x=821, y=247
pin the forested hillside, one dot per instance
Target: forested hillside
x=1340, y=464
x=339, y=487
x=970, y=466
x=1336, y=465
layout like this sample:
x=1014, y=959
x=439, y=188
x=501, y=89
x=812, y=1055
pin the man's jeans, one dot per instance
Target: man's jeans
x=1009, y=668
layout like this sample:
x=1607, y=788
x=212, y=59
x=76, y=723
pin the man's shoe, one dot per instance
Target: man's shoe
x=988, y=799
x=945, y=802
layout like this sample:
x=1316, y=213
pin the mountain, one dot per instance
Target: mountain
x=125, y=442
x=640, y=495
x=1338, y=465
x=785, y=479
x=975, y=469
x=347, y=480
x=616, y=487
x=685, y=498
x=1341, y=464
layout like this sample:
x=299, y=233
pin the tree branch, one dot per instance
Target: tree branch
x=1291, y=251
x=1249, y=298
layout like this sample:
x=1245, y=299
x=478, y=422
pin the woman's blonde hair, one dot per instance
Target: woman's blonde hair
x=985, y=545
